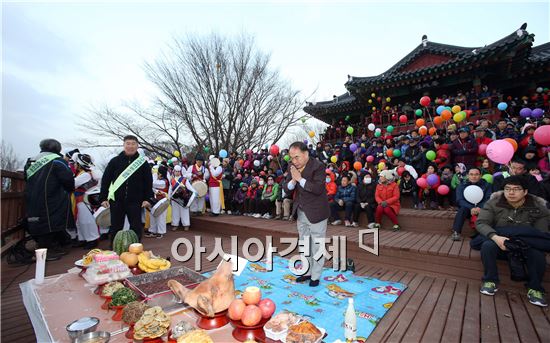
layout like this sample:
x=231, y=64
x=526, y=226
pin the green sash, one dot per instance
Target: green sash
x=131, y=169
x=36, y=166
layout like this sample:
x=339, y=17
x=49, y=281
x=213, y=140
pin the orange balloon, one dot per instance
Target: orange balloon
x=432, y=131
x=389, y=152
x=357, y=165
x=513, y=142
x=446, y=115
x=423, y=131
x=438, y=120
x=420, y=122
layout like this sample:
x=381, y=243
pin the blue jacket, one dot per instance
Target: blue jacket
x=345, y=193
x=462, y=202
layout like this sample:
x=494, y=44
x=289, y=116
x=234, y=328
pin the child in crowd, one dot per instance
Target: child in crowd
x=237, y=205
x=408, y=188
x=330, y=185
x=283, y=204
x=428, y=198
x=387, y=197
x=445, y=179
x=365, y=199
x=343, y=200
x=250, y=203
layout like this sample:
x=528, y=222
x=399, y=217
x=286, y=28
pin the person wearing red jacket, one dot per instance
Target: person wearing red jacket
x=330, y=185
x=443, y=153
x=387, y=197
x=251, y=206
x=481, y=137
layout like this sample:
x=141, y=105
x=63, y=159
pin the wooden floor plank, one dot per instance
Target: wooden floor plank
x=436, y=325
x=412, y=242
x=525, y=327
x=465, y=250
x=453, y=325
x=539, y=320
x=426, y=247
x=446, y=246
x=489, y=323
x=506, y=327
x=471, y=327
x=456, y=247
x=434, y=249
x=422, y=317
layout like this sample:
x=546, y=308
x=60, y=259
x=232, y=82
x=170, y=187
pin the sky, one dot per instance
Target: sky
x=61, y=59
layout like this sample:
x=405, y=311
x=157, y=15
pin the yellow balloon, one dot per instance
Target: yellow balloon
x=387, y=108
x=311, y=134
x=158, y=158
x=176, y=153
x=373, y=95
x=381, y=165
x=334, y=159
x=456, y=109
x=458, y=117
x=370, y=101
x=373, y=108
x=388, y=99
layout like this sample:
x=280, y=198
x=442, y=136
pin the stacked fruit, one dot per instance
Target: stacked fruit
x=251, y=308
x=150, y=263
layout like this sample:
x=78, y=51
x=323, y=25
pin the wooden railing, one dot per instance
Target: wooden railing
x=13, y=208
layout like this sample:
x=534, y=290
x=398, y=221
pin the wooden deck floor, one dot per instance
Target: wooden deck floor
x=433, y=308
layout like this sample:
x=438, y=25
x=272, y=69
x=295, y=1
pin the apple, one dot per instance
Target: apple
x=236, y=309
x=252, y=315
x=267, y=306
x=252, y=295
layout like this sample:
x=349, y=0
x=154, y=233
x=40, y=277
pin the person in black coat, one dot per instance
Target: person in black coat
x=365, y=200
x=133, y=195
x=48, y=199
x=517, y=167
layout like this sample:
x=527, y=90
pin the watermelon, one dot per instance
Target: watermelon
x=123, y=239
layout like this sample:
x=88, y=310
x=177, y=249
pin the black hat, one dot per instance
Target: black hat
x=199, y=157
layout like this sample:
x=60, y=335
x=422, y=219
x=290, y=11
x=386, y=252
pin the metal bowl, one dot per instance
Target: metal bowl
x=82, y=326
x=96, y=337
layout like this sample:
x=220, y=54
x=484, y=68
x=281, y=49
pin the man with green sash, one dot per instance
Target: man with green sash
x=126, y=187
x=48, y=188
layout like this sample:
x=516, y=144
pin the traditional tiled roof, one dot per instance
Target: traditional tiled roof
x=540, y=53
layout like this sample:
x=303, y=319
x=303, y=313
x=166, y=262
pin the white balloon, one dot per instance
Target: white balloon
x=371, y=127
x=446, y=101
x=539, y=90
x=378, y=130
x=256, y=163
x=473, y=194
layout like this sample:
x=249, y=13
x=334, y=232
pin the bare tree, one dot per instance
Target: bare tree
x=8, y=158
x=224, y=92
x=301, y=132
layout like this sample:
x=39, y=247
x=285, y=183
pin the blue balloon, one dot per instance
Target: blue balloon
x=440, y=109
x=502, y=106
x=449, y=109
x=223, y=153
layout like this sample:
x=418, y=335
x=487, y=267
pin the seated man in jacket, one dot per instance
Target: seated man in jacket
x=465, y=208
x=515, y=213
x=344, y=199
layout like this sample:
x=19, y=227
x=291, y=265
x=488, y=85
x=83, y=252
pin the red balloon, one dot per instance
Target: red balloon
x=443, y=190
x=274, y=150
x=482, y=150
x=370, y=158
x=420, y=122
x=438, y=120
x=400, y=171
x=542, y=135
x=421, y=182
x=357, y=165
x=393, y=117
x=389, y=152
x=425, y=101
x=403, y=118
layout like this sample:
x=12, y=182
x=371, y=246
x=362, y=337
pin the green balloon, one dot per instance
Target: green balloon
x=449, y=109
x=396, y=153
x=463, y=114
x=389, y=129
x=430, y=155
x=286, y=158
x=377, y=134
x=488, y=178
x=347, y=118
x=418, y=112
x=349, y=130
x=206, y=149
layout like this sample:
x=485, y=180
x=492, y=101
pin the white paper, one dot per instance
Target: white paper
x=238, y=267
x=40, y=265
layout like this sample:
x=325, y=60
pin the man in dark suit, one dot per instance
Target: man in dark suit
x=306, y=181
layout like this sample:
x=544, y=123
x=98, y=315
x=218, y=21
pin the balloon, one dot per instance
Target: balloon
x=418, y=112
x=303, y=120
x=542, y=135
x=353, y=147
x=446, y=115
x=378, y=130
x=513, y=142
x=311, y=134
x=423, y=131
x=425, y=101
x=473, y=194
x=440, y=109
x=381, y=165
x=502, y=106
x=421, y=182
x=357, y=165
x=256, y=163
x=488, y=178
x=371, y=127
x=334, y=159
x=482, y=149
x=458, y=118
x=388, y=108
x=274, y=150
x=223, y=153
x=463, y=114
x=286, y=158
x=539, y=89
x=377, y=134
x=373, y=108
x=432, y=131
x=393, y=117
x=537, y=113
x=432, y=179
x=370, y=101
x=370, y=158
x=349, y=130
x=347, y=118
x=447, y=101
x=388, y=99
x=403, y=118
x=176, y=153
x=438, y=120
x=420, y=122
x=373, y=95
x=525, y=112
x=389, y=129
x=396, y=153
x=500, y=151
x=400, y=171
x=497, y=174
x=456, y=109
x=248, y=151
x=443, y=189
x=430, y=155
x=269, y=158
x=389, y=152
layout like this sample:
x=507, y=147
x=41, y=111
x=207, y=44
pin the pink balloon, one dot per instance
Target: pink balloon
x=500, y=151
x=443, y=189
x=542, y=135
x=370, y=158
x=482, y=150
x=421, y=182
